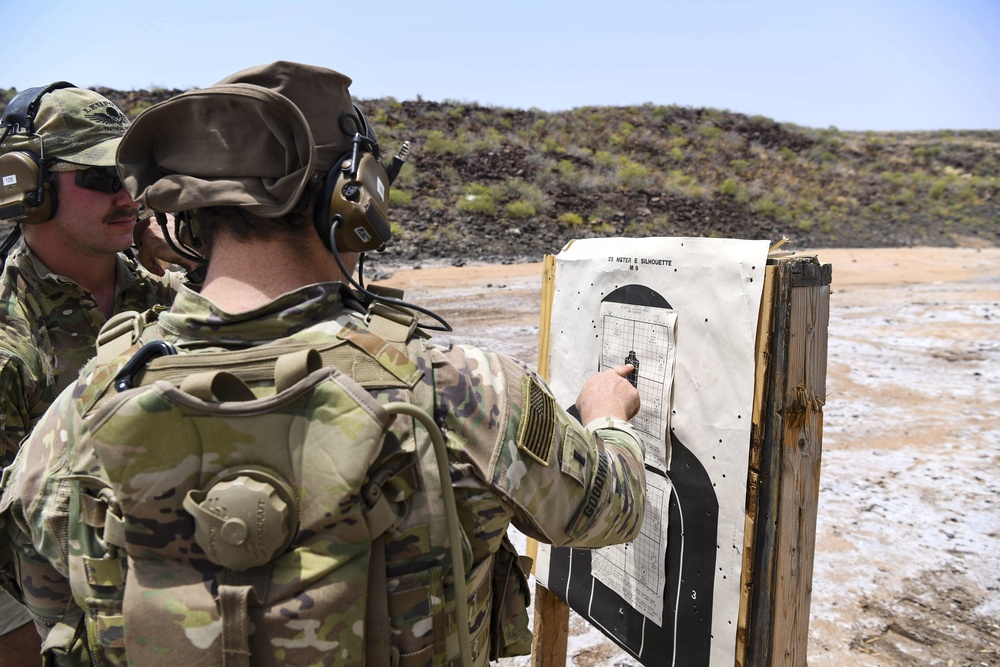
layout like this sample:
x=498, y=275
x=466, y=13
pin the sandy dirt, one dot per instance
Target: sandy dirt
x=907, y=562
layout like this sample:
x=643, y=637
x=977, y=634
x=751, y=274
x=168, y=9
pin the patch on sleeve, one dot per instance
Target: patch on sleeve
x=597, y=490
x=537, y=432
x=595, y=505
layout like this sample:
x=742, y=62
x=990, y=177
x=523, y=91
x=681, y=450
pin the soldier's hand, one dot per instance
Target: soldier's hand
x=608, y=394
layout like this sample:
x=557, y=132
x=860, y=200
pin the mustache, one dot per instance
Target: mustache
x=122, y=212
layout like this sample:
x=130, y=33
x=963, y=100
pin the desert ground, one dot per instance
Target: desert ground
x=907, y=561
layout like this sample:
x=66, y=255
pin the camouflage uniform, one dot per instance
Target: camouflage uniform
x=49, y=326
x=515, y=457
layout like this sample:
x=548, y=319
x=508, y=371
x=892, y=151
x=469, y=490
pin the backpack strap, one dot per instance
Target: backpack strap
x=234, y=602
x=252, y=364
x=122, y=331
x=377, y=635
x=294, y=367
x=238, y=590
x=390, y=357
x=381, y=516
x=368, y=358
x=216, y=386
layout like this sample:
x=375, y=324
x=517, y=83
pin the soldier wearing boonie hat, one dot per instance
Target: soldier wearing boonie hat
x=63, y=273
x=280, y=184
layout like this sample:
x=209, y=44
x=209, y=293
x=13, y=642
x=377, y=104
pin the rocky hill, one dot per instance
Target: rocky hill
x=499, y=184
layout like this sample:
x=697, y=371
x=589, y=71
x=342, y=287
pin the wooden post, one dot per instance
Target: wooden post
x=551, y=627
x=785, y=456
x=762, y=354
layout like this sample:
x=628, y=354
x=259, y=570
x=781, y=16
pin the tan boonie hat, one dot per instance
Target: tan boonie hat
x=80, y=126
x=253, y=139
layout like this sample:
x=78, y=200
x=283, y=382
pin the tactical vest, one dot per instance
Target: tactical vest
x=234, y=507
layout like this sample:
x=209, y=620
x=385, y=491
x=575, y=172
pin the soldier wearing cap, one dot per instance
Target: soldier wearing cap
x=256, y=159
x=66, y=275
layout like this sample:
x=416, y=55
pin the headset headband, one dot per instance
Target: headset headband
x=21, y=111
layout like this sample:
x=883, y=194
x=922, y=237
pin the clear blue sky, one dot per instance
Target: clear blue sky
x=853, y=64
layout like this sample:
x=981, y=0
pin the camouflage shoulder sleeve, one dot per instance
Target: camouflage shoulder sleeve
x=34, y=514
x=563, y=484
x=15, y=413
x=167, y=286
x=152, y=290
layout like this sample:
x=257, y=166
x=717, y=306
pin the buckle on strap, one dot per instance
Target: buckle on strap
x=383, y=514
x=118, y=334
x=100, y=510
x=393, y=323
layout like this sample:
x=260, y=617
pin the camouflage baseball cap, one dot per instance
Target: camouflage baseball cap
x=253, y=140
x=80, y=126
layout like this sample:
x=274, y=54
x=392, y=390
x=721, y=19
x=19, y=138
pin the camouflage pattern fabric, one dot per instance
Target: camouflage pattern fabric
x=49, y=325
x=516, y=457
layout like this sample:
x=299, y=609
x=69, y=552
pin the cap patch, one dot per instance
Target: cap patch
x=106, y=114
x=537, y=432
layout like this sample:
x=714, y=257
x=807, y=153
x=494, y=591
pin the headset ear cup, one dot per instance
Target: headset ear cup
x=28, y=195
x=359, y=200
x=186, y=233
x=27, y=192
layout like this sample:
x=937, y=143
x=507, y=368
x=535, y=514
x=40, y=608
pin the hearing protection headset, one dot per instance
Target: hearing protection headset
x=26, y=195
x=351, y=214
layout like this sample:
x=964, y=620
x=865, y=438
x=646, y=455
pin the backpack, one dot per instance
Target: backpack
x=233, y=505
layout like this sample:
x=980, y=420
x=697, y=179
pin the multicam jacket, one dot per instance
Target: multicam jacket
x=48, y=326
x=516, y=457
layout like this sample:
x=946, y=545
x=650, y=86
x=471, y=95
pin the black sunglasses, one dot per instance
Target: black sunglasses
x=101, y=179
